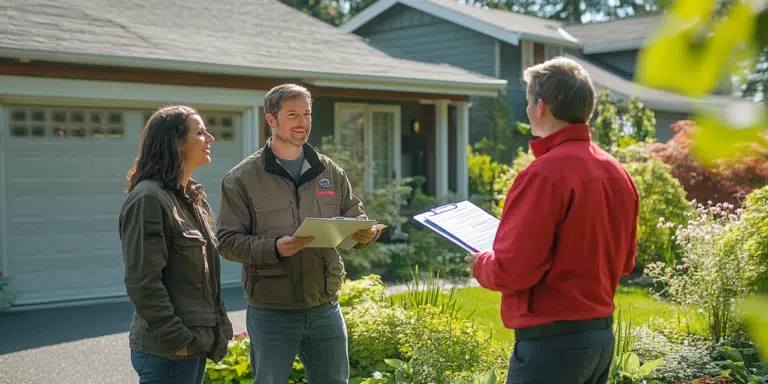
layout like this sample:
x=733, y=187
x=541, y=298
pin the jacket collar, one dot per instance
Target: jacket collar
x=311, y=157
x=571, y=132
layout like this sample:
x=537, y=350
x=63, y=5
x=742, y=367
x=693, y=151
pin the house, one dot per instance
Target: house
x=502, y=44
x=79, y=78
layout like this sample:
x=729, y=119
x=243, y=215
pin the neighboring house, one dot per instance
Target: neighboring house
x=502, y=44
x=78, y=79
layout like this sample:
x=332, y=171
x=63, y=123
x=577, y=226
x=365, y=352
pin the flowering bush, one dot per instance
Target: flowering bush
x=679, y=361
x=715, y=273
x=725, y=181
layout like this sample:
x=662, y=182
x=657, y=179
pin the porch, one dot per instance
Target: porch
x=402, y=138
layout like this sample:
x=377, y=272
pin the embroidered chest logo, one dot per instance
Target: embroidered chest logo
x=325, y=188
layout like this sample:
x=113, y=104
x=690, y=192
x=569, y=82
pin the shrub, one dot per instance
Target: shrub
x=725, y=181
x=715, y=273
x=504, y=182
x=373, y=330
x=440, y=348
x=369, y=288
x=483, y=174
x=751, y=234
x=661, y=196
x=6, y=296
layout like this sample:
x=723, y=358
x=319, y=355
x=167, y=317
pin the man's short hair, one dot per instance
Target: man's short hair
x=273, y=101
x=565, y=87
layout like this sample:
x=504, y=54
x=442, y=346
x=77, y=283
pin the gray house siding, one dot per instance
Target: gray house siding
x=405, y=32
x=663, y=121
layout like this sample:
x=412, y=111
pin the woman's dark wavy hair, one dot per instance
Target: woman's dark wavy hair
x=159, y=156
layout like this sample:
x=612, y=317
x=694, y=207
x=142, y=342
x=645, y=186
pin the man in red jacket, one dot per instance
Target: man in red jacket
x=567, y=233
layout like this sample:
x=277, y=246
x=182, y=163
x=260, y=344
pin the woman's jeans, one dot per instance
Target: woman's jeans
x=159, y=370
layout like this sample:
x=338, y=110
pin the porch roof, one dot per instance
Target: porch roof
x=236, y=37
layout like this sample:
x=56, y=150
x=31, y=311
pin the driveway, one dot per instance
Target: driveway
x=78, y=345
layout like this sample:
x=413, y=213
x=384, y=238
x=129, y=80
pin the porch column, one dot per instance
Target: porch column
x=462, y=140
x=441, y=148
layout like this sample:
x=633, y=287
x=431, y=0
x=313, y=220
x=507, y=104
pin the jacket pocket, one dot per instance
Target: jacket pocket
x=202, y=327
x=190, y=262
x=272, y=285
x=274, y=220
x=328, y=206
x=333, y=272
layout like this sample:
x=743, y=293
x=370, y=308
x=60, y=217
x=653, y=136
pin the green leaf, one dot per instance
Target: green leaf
x=398, y=364
x=633, y=363
x=715, y=139
x=650, y=366
x=756, y=318
x=241, y=368
x=731, y=354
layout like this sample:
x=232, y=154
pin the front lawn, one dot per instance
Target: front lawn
x=644, y=308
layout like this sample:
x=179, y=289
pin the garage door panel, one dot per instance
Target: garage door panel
x=63, y=196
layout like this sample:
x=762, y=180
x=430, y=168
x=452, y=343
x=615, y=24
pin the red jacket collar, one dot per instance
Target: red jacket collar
x=570, y=132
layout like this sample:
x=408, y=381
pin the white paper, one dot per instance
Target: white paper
x=474, y=228
x=330, y=232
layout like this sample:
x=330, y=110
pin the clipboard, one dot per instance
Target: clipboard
x=332, y=232
x=428, y=219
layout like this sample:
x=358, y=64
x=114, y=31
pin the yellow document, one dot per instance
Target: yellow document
x=331, y=232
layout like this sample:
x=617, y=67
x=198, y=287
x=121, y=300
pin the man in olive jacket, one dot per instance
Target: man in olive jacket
x=291, y=290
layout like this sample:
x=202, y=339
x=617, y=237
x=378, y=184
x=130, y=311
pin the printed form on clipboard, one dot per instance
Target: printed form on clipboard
x=463, y=223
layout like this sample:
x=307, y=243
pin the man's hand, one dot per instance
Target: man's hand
x=365, y=236
x=289, y=245
x=471, y=260
x=183, y=352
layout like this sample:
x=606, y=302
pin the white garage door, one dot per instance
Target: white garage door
x=64, y=172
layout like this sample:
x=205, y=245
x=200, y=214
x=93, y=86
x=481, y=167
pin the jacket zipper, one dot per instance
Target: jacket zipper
x=200, y=221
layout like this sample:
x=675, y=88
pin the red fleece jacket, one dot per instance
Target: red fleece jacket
x=567, y=233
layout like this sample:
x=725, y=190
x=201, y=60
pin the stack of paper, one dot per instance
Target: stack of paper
x=464, y=223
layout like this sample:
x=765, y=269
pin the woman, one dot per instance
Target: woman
x=172, y=269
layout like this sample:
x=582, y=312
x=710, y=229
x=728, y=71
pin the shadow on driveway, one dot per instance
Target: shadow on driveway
x=31, y=329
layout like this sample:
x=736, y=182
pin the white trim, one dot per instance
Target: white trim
x=228, y=69
x=3, y=203
x=455, y=88
x=437, y=11
x=497, y=58
x=462, y=141
x=107, y=93
x=441, y=148
x=591, y=49
x=251, y=130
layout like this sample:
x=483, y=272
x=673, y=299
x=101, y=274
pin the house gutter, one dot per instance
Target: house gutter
x=317, y=78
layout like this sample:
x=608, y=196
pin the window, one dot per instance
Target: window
x=371, y=132
x=61, y=123
x=536, y=53
x=221, y=126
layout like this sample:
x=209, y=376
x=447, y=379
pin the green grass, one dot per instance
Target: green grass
x=644, y=309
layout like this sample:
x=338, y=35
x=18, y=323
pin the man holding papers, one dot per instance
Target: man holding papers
x=567, y=233
x=291, y=286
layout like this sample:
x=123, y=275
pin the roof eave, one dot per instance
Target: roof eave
x=436, y=10
x=627, y=45
x=312, y=77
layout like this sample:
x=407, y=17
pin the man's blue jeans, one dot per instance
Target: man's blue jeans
x=159, y=370
x=318, y=335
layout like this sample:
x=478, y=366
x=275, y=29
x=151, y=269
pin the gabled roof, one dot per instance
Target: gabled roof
x=655, y=99
x=506, y=26
x=243, y=37
x=623, y=34
x=511, y=27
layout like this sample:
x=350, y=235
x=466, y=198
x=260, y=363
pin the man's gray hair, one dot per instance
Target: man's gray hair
x=273, y=101
x=565, y=87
